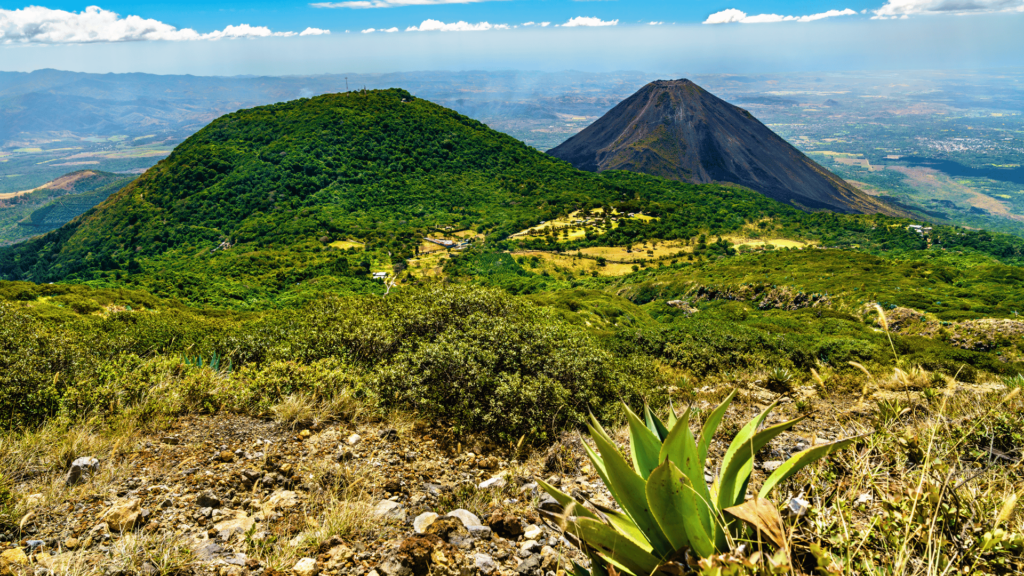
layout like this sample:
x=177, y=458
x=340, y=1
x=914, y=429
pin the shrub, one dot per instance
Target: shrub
x=35, y=365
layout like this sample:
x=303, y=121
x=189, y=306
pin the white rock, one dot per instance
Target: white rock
x=864, y=498
x=798, y=506
x=532, y=532
x=279, y=500
x=771, y=465
x=468, y=518
x=529, y=546
x=496, y=482
x=389, y=509
x=354, y=439
x=305, y=567
x=422, y=521
x=484, y=564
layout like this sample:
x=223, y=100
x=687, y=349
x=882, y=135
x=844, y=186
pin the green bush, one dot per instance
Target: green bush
x=36, y=363
x=473, y=358
x=261, y=387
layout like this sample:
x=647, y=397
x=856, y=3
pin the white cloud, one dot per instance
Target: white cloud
x=726, y=17
x=588, y=21
x=733, y=16
x=363, y=4
x=460, y=26
x=390, y=30
x=244, y=31
x=905, y=8
x=655, y=23
x=39, y=25
x=369, y=31
x=315, y=32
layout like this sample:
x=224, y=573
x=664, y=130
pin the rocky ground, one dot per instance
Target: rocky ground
x=237, y=496
x=369, y=496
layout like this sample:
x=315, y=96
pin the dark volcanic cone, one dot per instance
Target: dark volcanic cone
x=676, y=129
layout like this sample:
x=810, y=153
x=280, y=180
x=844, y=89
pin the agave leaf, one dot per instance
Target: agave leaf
x=597, y=564
x=628, y=488
x=578, y=570
x=602, y=471
x=670, y=423
x=736, y=473
x=665, y=494
x=644, y=445
x=625, y=525
x=681, y=449
x=565, y=500
x=672, y=447
x=707, y=431
x=655, y=424
x=801, y=459
x=727, y=487
x=616, y=547
x=597, y=426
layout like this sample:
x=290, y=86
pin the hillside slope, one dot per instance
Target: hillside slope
x=677, y=130
x=382, y=167
x=50, y=206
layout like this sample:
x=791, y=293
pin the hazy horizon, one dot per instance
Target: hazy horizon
x=926, y=43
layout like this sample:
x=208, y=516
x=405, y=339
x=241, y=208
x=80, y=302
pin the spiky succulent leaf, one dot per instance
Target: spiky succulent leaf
x=654, y=424
x=670, y=423
x=629, y=491
x=616, y=547
x=665, y=495
x=736, y=473
x=624, y=524
x=644, y=445
x=707, y=431
x=565, y=500
x=801, y=459
x=597, y=564
x=677, y=508
x=578, y=570
x=727, y=487
x=681, y=449
x=602, y=471
x=595, y=425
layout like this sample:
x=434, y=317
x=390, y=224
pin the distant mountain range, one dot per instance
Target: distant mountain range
x=677, y=130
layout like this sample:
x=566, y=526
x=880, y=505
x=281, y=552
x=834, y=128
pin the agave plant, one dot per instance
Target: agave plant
x=666, y=506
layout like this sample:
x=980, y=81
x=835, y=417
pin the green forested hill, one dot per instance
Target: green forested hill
x=243, y=213
x=380, y=166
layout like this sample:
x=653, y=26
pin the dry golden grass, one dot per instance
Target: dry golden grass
x=346, y=244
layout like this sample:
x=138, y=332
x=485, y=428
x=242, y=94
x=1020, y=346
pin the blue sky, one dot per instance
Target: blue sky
x=262, y=37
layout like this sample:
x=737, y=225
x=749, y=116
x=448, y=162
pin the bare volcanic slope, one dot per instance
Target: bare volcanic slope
x=676, y=129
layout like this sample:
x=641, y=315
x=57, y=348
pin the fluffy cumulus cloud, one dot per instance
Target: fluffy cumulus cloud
x=39, y=25
x=588, y=21
x=314, y=32
x=734, y=16
x=438, y=26
x=385, y=30
x=541, y=24
x=362, y=4
x=907, y=8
